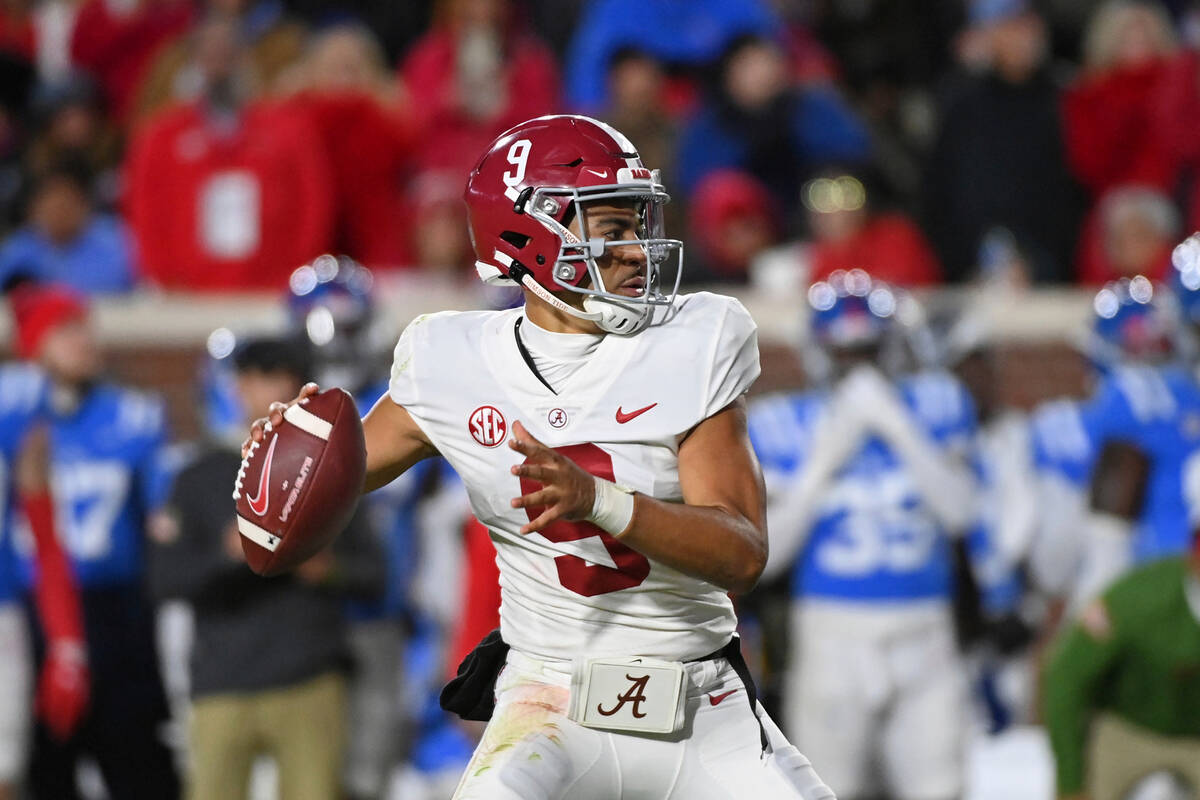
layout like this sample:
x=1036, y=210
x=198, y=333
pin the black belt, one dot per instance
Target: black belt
x=732, y=652
x=471, y=694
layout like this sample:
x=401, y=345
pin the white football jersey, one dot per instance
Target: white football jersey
x=571, y=589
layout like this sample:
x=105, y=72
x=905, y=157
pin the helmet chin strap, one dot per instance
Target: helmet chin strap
x=609, y=317
x=544, y=294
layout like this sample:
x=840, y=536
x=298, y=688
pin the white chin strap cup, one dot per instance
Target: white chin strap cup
x=617, y=317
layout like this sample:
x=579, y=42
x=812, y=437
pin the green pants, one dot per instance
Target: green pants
x=1121, y=754
x=301, y=727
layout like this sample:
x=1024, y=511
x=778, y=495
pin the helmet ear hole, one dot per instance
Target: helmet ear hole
x=517, y=240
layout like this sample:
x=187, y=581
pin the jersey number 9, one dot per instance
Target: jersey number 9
x=575, y=573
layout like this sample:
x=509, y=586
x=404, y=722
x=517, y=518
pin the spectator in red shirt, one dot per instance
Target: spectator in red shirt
x=1133, y=232
x=17, y=34
x=734, y=220
x=115, y=42
x=440, y=237
x=849, y=234
x=224, y=193
x=475, y=74
x=353, y=101
x=273, y=41
x=1113, y=135
x=1177, y=115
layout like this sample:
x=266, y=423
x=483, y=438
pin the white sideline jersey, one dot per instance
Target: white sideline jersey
x=573, y=590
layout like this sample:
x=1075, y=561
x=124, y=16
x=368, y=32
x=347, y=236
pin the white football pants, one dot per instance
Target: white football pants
x=877, y=697
x=532, y=751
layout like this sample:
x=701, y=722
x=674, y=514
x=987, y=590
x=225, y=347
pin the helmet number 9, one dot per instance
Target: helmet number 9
x=518, y=156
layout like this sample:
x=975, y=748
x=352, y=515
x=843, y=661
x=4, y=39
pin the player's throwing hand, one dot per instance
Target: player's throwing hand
x=568, y=492
x=275, y=416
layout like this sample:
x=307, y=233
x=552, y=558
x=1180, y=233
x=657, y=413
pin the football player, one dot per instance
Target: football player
x=1130, y=445
x=107, y=461
x=601, y=434
x=1062, y=462
x=330, y=303
x=868, y=482
x=62, y=690
x=290, y=707
x=1006, y=523
x=1185, y=283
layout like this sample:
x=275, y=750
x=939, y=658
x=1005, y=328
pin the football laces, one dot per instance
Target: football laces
x=241, y=474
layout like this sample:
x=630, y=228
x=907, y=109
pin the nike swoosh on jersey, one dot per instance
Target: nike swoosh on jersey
x=263, y=497
x=622, y=417
x=717, y=698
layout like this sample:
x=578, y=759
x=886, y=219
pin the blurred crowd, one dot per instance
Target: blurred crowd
x=208, y=145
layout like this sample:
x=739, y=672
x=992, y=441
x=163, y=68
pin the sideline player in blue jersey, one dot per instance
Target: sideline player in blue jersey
x=1130, y=444
x=1062, y=462
x=62, y=688
x=290, y=707
x=331, y=304
x=867, y=482
x=106, y=444
x=1006, y=523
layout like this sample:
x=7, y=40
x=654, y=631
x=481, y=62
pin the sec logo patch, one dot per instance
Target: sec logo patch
x=487, y=426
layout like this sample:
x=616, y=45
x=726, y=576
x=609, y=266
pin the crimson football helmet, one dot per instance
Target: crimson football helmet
x=524, y=194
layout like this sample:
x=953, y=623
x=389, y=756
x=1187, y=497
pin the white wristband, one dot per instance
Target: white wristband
x=612, y=510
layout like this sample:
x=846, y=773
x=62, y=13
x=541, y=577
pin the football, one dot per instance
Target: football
x=298, y=487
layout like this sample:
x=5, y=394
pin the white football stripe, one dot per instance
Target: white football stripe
x=260, y=536
x=308, y=422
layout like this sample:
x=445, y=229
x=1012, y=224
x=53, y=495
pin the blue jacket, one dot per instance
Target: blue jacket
x=691, y=32
x=99, y=260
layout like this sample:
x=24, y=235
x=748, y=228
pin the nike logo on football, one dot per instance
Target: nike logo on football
x=717, y=698
x=622, y=417
x=263, y=497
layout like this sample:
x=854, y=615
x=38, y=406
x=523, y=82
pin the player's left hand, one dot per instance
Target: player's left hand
x=568, y=491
